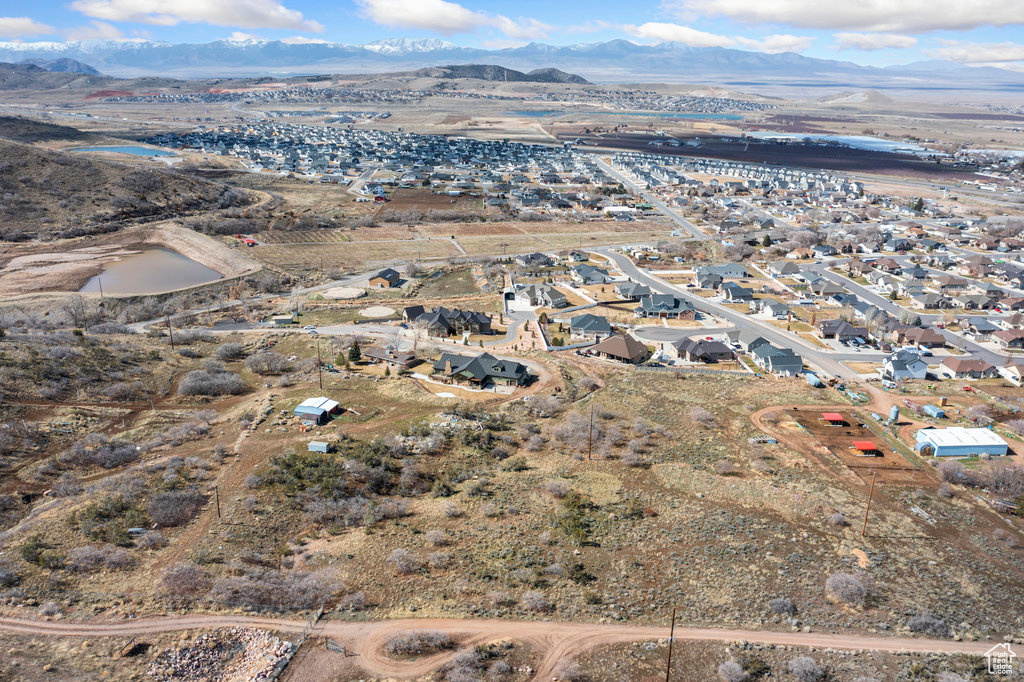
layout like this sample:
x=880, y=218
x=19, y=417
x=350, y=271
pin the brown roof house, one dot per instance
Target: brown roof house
x=621, y=348
x=966, y=368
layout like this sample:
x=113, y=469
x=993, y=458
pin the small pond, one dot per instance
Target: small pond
x=153, y=270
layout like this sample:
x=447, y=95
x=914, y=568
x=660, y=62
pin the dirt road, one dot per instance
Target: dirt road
x=553, y=642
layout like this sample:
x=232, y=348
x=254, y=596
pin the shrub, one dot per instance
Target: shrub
x=702, y=416
x=731, y=671
x=353, y=602
x=439, y=560
x=948, y=676
x=926, y=623
x=418, y=642
x=1004, y=479
x=99, y=450
x=438, y=538
x=846, y=588
x=152, y=540
x=535, y=443
x=805, y=669
x=453, y=511
x=634, y=459
x=516, y=464
x=945, y=491
x=952, y=472
x=49, y=609
x=8, y=576
x=534, y=600
x=229, y=351
x=205, y=382
x=403, y=561
x=262, y=588
x=782, y=605
x=175, y=507
x=267, y=363
x=557, y=489
x=490, y=510
x=90, y=559
x=838, y=520
x=498, y=598
x=724, y=467
x=1016, y=427
x=185, y=580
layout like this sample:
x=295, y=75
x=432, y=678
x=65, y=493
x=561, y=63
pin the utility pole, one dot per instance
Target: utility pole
x=216, y=496
x=671, y=637
x=99, y=280
x=170, y=332
x=871, y=493
x=319, y=365
x=590, y=438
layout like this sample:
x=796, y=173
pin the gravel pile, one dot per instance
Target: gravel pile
x=227, y=654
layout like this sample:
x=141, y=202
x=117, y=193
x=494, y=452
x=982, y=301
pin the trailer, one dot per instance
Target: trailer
x=813, y=380
x=934, y=411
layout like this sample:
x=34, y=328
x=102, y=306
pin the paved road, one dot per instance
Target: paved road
x=553, y=642
x=829, y=362
x=896, y=311
x=674, y=215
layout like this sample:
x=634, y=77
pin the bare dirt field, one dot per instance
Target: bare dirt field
x=838, y=439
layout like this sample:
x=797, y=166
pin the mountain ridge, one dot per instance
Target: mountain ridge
x=611, y=61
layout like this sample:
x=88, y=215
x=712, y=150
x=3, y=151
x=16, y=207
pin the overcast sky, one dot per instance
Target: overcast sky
x=877, y=32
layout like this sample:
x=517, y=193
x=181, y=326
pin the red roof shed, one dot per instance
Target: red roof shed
x=865, y=446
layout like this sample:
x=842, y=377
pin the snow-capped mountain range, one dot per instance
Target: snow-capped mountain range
x=612, y=61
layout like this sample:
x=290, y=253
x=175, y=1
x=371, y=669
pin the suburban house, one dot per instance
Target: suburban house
x=708, y=280
x=541, y=295
x=385, y=279
x=665, y=305
x=317, y=410
x=533, y=260
x=588, y=274
x=734, y=293
x=841, y=330
x=904, y=364
x=771, y=308
x=781, y=361
x=957, y=441
x=589, y=326
x=955, y=367
x=922, y=337
x=391, y=357
x=621, y=348
x=480, y=370
x=701, y=350
x=631, y=291
x=783, y=268
x=1013, y=372
x=446, y=322
x=1009, y=338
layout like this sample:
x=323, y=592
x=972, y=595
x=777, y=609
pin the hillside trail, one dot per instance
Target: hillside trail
x=554, y=642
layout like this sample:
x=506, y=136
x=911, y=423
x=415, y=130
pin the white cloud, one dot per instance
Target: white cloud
x=910, y=16
x=303, y=40
x=980, y=53
x=243, y=13
x=873, y=41
x=779, y=42
x=447, y=18
x=94, y=30
x=240, y=37
x=15, y=27
x=674, y=33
